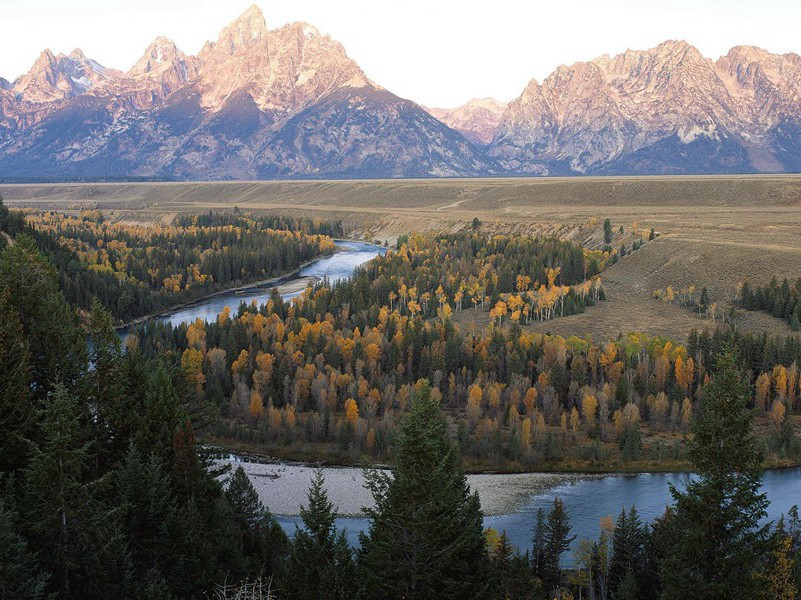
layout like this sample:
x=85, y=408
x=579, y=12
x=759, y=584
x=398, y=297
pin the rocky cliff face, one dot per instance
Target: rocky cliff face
x=257, y=102
x=664, y=110
x=477, y=120
x=289, y=102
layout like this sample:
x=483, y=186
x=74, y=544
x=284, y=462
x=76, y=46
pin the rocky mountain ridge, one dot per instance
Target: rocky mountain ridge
x=290, y=103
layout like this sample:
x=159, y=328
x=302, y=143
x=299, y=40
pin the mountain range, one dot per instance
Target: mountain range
x=262, y=103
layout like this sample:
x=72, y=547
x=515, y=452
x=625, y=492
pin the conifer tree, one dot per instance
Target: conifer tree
x=21, y=576
x=718, y=542
x=62, y=505
x=425, y=538
x=557, y=540
x=262, y=541
x=49, y=324
x=321, y=561
x=17, y=412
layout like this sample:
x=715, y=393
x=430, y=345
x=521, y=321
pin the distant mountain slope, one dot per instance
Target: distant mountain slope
x=256, y=103
x=477, y=120
x=290, y=103
x=664, y=110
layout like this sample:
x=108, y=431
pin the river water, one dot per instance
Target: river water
x=510, y=502
x=337, y=266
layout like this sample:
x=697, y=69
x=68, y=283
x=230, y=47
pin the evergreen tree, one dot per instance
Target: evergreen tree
x=425, y=538
x=262, y=541
x=538, y=545
x=63, y=507
x=17, y=412
x=21, y=577
x=321, y=561
x=557, y=540
x=607, y=231
x=150, y=518
x=49, y=324
x=718, y=543
x=629, y=560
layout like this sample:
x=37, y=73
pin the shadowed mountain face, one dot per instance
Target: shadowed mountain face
x=289, y=103
x=660, y=111
x=257, y=103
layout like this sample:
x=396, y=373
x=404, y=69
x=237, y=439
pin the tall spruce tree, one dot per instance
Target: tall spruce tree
x=557, y=541
x=718, y=542
x=49, y=323
x=321, y=561
x=425, y=538
x=17, y=412
x=64, y=512
x=628, y=566
x=261, y=540
x=21, y=577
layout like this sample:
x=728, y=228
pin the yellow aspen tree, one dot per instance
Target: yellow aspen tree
x=525, y=432
x=539, y=428
x=256, y=408
x=192, y=366
x=370, y=440
x=589, y=404
x=686, y=412
x=777, y=413
x=530, y=400
x=780, y=380
x=351, y=412
x=574, y=420
x=781, y=584
x=762, y=391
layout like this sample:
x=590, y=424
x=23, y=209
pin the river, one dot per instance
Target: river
x=337, y=266
x=510, y=502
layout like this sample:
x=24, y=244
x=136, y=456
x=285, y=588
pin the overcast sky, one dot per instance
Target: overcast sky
x=436, y=52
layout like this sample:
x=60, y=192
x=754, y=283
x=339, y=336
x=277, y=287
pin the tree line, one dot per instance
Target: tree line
x=136, y=270
x=782, y=301
x=315, y=376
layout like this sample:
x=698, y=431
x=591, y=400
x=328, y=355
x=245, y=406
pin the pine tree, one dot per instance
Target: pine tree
x=629, y=561
x=557, y=541
x=538, y=545
x=50, y=325
x=718, y=543
x=262, y=541
x=150, y=518
x=21, y=577
x=321, y=561
x=17, y=412
x=62, y=505
x=425, y=538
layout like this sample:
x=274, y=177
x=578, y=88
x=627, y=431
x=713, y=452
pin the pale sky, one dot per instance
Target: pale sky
x=436, y=52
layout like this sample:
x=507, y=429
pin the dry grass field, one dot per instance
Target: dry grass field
x=715, y=230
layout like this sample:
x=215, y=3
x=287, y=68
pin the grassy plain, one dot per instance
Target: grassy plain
x=714, y=230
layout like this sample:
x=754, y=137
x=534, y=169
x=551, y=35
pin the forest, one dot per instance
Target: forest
x=138, y=270
x=331, y=373
x=105, y=490
x=782, y=301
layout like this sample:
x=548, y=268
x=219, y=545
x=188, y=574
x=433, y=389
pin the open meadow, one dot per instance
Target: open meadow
x=714, y=231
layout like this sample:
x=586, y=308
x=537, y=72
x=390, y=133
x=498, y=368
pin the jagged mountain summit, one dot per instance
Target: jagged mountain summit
x=659, y=111
x=477, y=120
x=255, y=103
x=261, y=103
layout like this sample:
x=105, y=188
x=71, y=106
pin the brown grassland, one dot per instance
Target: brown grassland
x=714, y=230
